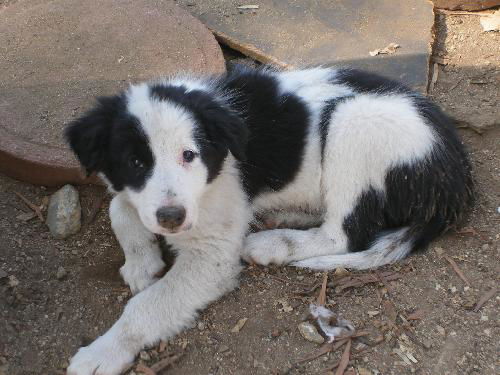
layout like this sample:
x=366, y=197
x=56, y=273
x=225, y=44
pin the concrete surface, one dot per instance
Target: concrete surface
x=311, y=32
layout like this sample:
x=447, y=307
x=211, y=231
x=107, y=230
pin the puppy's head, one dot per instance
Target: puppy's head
x=160, y=144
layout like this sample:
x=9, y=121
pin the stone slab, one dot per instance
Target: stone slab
x=56, y=56
x=468, y=5
x=327, y=32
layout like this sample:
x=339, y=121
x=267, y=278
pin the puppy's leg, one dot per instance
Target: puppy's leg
x=142, y=252
x=281, y=246
x=197, y=278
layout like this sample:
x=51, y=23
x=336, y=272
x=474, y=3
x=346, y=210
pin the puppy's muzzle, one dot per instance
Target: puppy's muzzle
x=171, y=217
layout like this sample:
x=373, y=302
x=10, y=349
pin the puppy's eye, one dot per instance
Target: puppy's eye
x=188, y=156
x=135, y=163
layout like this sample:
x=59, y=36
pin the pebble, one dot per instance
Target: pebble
x=239, y=325
x=13, y=281
x=3, y=274
x=201, y=326
x=61, y=273
x=364, y=371
x=441, y=330
x=144, y=356
x=310, y=333
x=485, y=247
x=427, y=343
x=223, y=348
x=275, y=333
x=64, y=212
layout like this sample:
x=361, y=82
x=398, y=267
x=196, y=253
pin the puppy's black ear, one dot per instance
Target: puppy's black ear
x=224, y=128
x=228, y=129
x=88, y=136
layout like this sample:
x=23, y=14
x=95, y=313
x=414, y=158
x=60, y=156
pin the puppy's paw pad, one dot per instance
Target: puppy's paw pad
x=97, y=359
x=141, y=273
x=260, y=249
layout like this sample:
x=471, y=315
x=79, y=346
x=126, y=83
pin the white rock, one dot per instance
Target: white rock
x=64, y=212
x=310, y=333
x=61, y=273
x=144, y=356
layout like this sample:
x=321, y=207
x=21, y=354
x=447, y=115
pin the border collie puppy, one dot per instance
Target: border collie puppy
x=368, y=170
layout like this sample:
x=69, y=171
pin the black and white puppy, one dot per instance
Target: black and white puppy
x=375, y=171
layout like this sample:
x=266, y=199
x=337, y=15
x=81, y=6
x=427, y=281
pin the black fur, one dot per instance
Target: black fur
x=107, y=139
x=278, y=127
x=219, y=128
x=428, y=197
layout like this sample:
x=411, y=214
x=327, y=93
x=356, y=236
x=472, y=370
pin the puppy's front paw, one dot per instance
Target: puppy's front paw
x=265, y=248
x=102, y=357
x=141, y=272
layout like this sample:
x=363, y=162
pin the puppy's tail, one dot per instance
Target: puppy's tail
x=388, y=248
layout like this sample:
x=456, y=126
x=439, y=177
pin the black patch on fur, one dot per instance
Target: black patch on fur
x=429, y=196
x=219, y=128
x=361, y=81
x=278, y=125
x=105, y=140
x=326, y=115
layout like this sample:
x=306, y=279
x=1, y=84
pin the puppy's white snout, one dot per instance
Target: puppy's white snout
x=171, y=217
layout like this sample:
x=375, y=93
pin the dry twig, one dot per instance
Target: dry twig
x=457, y=269
x=322, y=292
x=36, y=209
x=344, y=360
x=145, y=369
x=486, y=296
x=361, y=280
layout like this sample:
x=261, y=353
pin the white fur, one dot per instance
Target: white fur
x=365, y=139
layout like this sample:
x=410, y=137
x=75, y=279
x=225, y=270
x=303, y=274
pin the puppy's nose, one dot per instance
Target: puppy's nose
x=171, y=216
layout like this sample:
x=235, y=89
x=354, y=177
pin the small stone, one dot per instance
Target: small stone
x=223, y=348
x=144, y=356
x=61, y=273
x=13, y=281
x=439, y=250
x=275, y=333
x=162, y=346
x=373, y=313
x=364, y=371
x=485, y=247
x=453, y=289
x=201, y=326
x=3, y=274
x=487, y=332
x=484, y=318
x=441, y=330
x=285, y=306
x=300, y=278
x=427, y=344
x=341, y=272
x=310, y=333
x=239, y=325
x=64, y=212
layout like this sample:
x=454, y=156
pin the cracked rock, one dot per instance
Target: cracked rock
x=64, y=212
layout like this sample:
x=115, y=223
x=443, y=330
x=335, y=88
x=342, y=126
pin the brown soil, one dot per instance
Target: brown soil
x=43, y=320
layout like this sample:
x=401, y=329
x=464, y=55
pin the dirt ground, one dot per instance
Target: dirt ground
x=44, y=319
